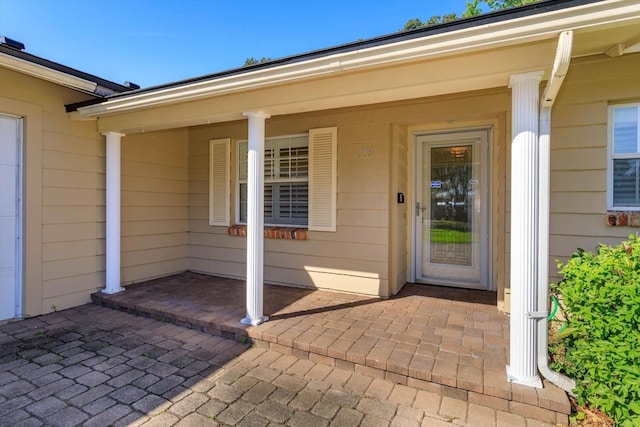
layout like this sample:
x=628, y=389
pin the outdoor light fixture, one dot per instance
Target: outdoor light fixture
x=458, y=152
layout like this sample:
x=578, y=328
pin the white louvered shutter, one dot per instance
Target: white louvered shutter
x=219, y=181
x=323, y=150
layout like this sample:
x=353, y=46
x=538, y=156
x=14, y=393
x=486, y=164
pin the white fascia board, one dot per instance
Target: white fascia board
x=45, y=73
x=500, y=34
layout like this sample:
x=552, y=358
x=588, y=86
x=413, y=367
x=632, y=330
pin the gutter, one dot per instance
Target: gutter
x=457, y=40
x=48, y=74
x=13, y=57
x=560, y=68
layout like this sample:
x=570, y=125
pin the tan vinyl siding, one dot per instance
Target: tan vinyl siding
x=64, y=254
x=154, y=205
x=369, y=253
x=352, y=259
x=65, y=198
x=399, y=224
x=579, y=153
x=73, y=200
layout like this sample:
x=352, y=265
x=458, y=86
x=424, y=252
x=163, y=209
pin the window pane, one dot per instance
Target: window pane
x=284, y=203
x=285, y=160
x=625, y=130
x=243, y=159
x=269, y=161
x=290, y=203
x=298, y=163
x=243, y=202
x=268, y=204
x=626, y=182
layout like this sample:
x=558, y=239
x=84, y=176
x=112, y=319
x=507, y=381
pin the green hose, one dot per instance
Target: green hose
x=554, y=307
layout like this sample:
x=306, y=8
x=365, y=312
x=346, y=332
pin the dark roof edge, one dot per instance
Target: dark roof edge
x=543, y=6
x=63, y=69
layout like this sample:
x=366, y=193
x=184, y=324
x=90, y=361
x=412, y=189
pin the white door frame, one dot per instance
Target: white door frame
x=19, y=245
x=486, y=235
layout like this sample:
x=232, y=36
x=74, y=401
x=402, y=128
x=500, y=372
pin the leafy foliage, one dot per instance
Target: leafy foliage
x=254, y=61
x=600, y=296
x=435, y=19
x=473, y=8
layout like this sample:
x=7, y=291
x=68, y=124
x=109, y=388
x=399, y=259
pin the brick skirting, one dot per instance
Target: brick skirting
x=272, y=232
x=623, y=218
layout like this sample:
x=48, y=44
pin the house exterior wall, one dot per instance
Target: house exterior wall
x=354, y=259
x=64, y=198
x=63, y=214
x=578, y=199
x=579, y=153
x=399, y=220
x=154, y=214
x=165, y=223
x=370, y=251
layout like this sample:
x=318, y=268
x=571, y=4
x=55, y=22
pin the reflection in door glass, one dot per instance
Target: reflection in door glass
x=451, y=224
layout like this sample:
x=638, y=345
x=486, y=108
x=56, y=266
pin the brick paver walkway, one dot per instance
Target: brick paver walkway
x=439, y=339
x=97, y=367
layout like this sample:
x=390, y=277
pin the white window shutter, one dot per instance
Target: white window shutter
x=219, y=181
x=323, y=153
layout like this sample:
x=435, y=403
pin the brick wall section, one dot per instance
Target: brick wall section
x=623, y=218
x=272, y=232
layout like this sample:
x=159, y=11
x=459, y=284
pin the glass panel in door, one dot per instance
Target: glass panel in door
x=452, y=234
x=450, y=225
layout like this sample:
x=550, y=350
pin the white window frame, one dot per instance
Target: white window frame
x=611, y=156
x=238, y=181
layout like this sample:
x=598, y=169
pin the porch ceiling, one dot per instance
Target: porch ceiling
x=471, y=59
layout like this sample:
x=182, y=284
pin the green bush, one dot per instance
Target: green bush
x=600, y=300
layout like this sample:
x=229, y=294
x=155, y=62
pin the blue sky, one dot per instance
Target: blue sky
x=151, y=42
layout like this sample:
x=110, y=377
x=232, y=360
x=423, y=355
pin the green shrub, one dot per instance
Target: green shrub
x=600, y=300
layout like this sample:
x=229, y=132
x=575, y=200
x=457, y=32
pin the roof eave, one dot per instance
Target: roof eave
x=522, y=29
x=27, y=63
x=51, y=75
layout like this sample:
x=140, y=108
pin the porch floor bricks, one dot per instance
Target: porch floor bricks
x=453, y=342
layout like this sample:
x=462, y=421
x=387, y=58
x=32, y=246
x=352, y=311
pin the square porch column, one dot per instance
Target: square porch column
x=522, y=368
x=113, y=213
x=255, y=219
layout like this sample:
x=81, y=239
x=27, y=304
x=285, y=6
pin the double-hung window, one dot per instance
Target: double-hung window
x=286, y=181
x=300, y=180
x=624, y=156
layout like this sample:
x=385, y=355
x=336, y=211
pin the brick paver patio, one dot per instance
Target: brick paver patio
x=451, y=342
x=95, y=366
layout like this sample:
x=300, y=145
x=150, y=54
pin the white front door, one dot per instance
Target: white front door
x=452, y=209
x=10, y=217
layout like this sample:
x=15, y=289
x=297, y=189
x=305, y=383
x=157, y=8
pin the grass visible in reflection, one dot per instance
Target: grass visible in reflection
x=450, y=236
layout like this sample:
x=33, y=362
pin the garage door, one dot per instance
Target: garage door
x=10, y=217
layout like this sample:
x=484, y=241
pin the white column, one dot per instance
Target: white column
x=113, y=214
x=522, y=368
x=255, y=219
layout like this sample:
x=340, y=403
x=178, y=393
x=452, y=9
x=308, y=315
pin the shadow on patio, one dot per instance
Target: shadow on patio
x=450, y=341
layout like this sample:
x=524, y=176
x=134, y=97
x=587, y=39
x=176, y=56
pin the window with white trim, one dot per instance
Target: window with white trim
x=624, y=157
x=300, y=180
x=286, y=181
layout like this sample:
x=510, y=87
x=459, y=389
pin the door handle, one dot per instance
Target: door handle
x=419, y=209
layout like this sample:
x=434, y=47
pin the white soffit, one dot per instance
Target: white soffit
x=631, y=45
